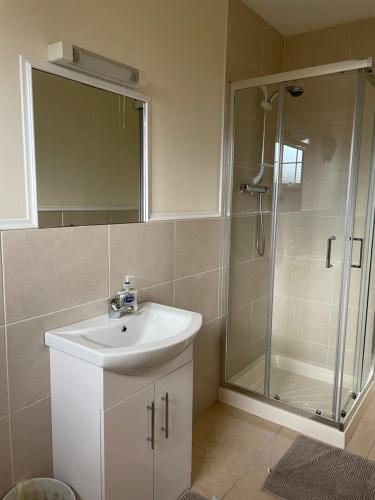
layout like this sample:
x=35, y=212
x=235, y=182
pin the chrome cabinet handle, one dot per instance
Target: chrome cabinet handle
x=166, y=402
x=151, y=438
x=359, y=265
x=329, y=249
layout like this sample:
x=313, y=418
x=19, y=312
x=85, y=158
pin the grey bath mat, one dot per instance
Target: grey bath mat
x=311, y=470
x=190, y=495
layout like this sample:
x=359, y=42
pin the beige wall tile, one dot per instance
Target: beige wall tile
x=303, y=235
x=28, y=357
x=143, y=250
x=300, y=349
x=53, y=269
x=362, y=39
x=197, y=246
x=348, y=361
x=247, y=142
x=306, y=280
x=237, y=69
x=273, y=46
x=259, y=272
x=31, y=441
x=242, y=238
x=317, y=47
x=247, y=103
x=161, y=294
x=248, y=281
x=206, y=391
x=240, y=285
x=245, y=31
x=351, y=328
x=5, y=457
x=301, y=319
x=2, y=318
x=207, y=346
x=3, y=376
x=326, y=100
x=259, y=318
x=199, y=293
x=329, y=144
x=239, y=340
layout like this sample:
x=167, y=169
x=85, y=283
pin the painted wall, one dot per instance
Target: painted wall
x=182, y=56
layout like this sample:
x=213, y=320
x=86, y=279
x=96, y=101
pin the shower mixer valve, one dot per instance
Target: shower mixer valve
x=249, y=188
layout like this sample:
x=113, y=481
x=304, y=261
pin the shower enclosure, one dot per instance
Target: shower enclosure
x=301, y=183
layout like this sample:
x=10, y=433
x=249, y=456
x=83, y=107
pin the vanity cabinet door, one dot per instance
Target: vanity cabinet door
x=173, y=428
x=128, y=453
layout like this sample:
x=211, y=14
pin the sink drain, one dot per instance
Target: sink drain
x=123, y=328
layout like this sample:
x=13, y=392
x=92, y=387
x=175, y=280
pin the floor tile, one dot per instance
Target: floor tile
x=250, y=487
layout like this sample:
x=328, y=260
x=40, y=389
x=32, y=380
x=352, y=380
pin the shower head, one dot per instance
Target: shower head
x=295, y=90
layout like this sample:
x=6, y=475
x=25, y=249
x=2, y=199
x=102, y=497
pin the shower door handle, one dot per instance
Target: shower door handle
x=359, y=265
x=329, y=250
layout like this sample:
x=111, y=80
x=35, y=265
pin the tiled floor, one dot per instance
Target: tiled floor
x=232, y=450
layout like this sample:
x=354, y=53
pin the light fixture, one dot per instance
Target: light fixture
x=82, y=60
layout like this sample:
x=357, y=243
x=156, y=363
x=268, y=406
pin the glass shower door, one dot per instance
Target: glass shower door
x=309, y=214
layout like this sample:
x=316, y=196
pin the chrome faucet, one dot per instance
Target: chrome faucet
x=117, y=305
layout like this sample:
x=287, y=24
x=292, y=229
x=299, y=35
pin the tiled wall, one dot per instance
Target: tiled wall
x=306, y=292
x=302, y=233
x=53, y=277
x=254, y=49
x=328, y=45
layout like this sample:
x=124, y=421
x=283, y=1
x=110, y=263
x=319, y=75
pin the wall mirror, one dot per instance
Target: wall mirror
x=91, y=152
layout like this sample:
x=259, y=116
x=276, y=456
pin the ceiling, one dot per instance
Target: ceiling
x=290, y=17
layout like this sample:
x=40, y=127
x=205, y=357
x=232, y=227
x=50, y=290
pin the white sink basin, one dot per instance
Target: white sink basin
x=131, y=344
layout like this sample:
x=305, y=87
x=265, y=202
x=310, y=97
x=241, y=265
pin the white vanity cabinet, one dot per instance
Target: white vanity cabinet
x=120, y=437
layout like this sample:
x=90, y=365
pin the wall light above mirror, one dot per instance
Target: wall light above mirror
x=88, y=148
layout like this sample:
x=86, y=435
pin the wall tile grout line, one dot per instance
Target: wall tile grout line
x=34, y=403
x=85, y=304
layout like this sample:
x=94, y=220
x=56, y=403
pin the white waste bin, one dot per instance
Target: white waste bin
x=40, y=489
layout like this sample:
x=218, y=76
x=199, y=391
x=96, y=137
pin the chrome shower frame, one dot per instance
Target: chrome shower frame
x=282, y=78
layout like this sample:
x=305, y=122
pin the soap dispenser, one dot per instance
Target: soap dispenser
x=130, y=293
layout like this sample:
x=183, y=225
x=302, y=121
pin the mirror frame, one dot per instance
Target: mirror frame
x=26, y=67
